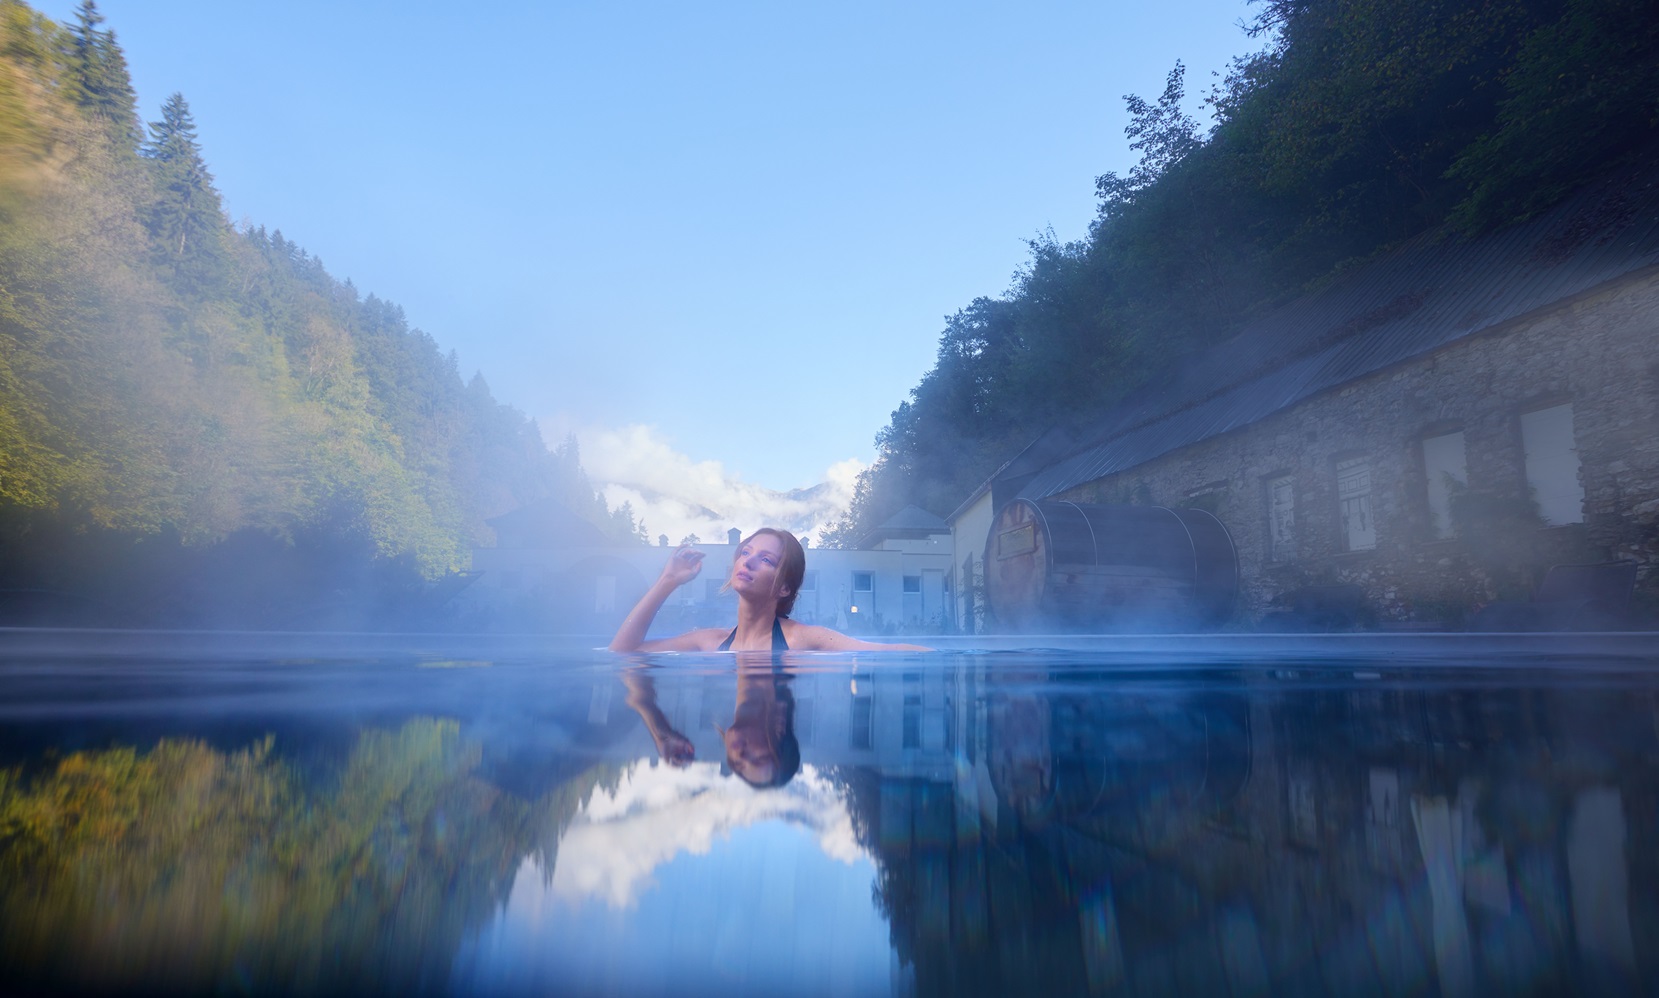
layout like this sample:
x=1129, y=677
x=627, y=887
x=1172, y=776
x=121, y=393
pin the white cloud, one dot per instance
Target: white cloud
x=614, y=846
x=676, y=495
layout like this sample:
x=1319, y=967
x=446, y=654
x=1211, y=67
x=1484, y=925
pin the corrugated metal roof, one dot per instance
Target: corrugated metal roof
x=910, y=522
x=914, y=517
x=1432, y=291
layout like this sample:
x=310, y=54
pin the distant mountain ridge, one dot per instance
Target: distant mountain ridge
x=805, y=512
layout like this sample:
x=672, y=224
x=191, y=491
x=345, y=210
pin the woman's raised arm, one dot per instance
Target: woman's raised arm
x=683, y=566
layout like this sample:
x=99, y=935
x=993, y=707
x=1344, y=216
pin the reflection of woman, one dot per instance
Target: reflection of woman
x=1020, y=759
x=760, y=743
x=766, y=575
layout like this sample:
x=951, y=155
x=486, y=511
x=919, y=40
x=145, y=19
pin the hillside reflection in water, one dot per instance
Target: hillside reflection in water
x=1183, y=818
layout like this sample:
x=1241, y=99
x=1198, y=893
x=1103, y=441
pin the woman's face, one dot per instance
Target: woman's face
x=755, y=572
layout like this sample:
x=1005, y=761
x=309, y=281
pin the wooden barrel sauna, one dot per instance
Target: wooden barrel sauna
x=1052, y=565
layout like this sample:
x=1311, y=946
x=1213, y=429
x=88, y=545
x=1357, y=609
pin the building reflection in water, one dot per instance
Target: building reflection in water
x=1253, y=835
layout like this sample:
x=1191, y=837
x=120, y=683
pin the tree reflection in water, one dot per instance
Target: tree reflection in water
x=202, y=870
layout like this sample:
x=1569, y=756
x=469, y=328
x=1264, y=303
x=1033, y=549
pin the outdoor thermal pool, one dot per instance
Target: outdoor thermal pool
x=262, y=813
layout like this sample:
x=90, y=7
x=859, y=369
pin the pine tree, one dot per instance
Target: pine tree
x=186, y=219
x=98, y=80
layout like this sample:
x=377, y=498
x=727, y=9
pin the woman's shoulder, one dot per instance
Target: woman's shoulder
x=811, y=637
x=701, y=639
x=707, y=638
x=803, y=637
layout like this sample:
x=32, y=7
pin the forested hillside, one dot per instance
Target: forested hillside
x=198, y=423
x=1360, y=123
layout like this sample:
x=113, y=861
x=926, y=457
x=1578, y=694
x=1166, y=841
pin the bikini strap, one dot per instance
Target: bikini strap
x=779, y=642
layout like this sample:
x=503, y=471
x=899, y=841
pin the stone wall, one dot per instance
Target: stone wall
x=1599, y=352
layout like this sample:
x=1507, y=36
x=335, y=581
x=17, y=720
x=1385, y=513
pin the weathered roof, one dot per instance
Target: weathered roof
x=914, y=517
x=911, y=521
x=546, y=523
x=1434, y=290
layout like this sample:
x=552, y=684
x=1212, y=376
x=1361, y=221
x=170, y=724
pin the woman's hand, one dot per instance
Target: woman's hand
x=674, y=748
x=683, y=566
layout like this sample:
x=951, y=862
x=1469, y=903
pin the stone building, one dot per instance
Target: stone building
x=1428, y=432
x=1252, y=835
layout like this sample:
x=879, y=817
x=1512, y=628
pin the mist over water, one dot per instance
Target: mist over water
x=292, y=813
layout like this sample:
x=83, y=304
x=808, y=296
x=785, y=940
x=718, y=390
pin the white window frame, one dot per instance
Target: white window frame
x=1354, y=503
x=1552, y=466
x=1281, y=518
x=1445, y=469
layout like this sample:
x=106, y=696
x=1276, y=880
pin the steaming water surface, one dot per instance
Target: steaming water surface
x=276, y=813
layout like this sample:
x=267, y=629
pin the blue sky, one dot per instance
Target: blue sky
x=732, y=228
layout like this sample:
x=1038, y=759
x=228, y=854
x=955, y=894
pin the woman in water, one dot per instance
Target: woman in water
x=766, y=575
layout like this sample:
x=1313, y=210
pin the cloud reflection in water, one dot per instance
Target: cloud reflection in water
x=634, y=902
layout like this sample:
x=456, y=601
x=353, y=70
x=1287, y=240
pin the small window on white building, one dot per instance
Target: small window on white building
x=1281, y=518
x=863, y=591
x=912, y=585
x=1353, y=493
x=1552, y=464
x=809, y=582
x=1447, y=471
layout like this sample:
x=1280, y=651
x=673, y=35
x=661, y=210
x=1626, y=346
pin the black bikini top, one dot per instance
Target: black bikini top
x=778, y=642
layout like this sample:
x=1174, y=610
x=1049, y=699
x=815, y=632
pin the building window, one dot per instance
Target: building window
x=863, y=591
x=861, y=732
x=912, y=585
x=1552, y=464
x=1446, y=471
x=809, y=582
x=1281, y=518
x=1353, y=493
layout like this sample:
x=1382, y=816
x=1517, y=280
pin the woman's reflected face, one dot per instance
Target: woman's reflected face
x=750, y=754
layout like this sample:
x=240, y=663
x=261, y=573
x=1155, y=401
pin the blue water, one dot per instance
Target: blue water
x=264, y=813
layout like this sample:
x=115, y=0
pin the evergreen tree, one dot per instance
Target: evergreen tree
x=186, y=219
x=98, y=83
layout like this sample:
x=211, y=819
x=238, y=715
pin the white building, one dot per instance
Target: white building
x=970, y=523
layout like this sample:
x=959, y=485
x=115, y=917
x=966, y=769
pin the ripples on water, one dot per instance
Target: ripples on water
x=270, y=813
